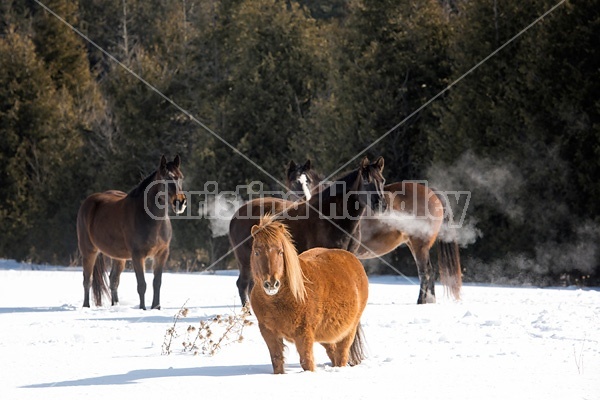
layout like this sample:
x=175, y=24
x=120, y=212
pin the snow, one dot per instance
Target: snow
x=496, y=343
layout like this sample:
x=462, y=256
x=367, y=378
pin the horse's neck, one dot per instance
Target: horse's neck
x=147, y=194
x=143, y=186
x=343, y=193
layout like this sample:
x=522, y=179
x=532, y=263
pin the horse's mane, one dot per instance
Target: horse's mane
x=141, y=187
x=271, y=230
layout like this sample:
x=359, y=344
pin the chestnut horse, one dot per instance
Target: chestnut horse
x=129, y=226
x=317, y=296
x=330, y=219
x=414, y=217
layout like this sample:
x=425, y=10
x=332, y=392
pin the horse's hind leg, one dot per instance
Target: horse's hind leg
x=115, y=277
x=88, y=269
x=342, y=351
x=420, y=253
x=331, y=350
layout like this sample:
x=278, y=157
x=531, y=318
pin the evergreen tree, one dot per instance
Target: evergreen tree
x=391, y=60
x=525, y=108
x=39, y=142
x=275, y=70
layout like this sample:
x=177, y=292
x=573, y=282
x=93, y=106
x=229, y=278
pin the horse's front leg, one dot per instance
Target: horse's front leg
x=115, y=278
x=159, y=264
x=275, y=345
x=138, y=267
x=304, y=345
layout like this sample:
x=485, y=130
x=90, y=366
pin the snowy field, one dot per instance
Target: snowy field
x=497, y=343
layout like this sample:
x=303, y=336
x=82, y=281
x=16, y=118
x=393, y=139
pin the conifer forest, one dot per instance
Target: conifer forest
x=500, y=99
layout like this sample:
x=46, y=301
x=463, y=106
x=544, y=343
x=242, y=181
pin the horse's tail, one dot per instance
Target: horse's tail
x=99, y=287
x=449, y=257
x=449, y=265
x=357, y=350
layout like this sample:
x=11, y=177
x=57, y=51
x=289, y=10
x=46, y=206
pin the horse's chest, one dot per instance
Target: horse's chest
x=279, y=317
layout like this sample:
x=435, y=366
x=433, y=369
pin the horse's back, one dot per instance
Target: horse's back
x=414, y=198
x=250, y=213
x=98, y=204
x=338, y=268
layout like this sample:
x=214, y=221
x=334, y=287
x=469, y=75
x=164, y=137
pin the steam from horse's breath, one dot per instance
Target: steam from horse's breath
x=219, y=210
x=502, y=184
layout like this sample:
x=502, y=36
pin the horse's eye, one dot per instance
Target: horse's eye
x=280, y=252
x=256, y=253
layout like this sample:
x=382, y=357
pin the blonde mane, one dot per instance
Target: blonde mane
x=272, y=231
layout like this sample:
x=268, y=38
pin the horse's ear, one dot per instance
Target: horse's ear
x=177, y=161
x=254, y=229
x=365, y=162
x=306, y=165
x=379, y=163
x=291, y=167
x=163, y=164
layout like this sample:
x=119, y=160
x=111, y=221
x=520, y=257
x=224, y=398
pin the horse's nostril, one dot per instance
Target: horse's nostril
x=267, y=285
x=276, y=285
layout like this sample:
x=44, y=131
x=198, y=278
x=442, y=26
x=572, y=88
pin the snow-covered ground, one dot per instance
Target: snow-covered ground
x=497, y=343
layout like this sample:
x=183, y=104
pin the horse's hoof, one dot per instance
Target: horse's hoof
x=156, y=307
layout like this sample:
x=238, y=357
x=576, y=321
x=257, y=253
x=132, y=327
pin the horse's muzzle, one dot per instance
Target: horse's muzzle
x=179, y=203
x=271, y=289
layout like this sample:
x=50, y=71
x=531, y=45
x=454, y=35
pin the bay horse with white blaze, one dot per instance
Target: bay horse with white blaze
x=129, y=226
x=414, y=217
x=317, y=296
x=329, y=219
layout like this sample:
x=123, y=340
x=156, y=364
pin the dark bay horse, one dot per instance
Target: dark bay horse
x=414, y=217
x=318, y=296
x=129, y=226
x=329, y=219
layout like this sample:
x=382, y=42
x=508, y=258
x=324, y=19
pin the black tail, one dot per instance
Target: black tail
x=448, y=256
x=99, y=286
x=357, y=350
x=449, y=265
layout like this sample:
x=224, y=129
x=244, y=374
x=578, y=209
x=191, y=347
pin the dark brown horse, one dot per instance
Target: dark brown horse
x=330, y=219
x=414, y=217
x=318, y=296
x=129, y=226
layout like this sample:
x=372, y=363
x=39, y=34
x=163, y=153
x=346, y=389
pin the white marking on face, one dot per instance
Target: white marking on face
x=304, y=182
x=181, y=208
